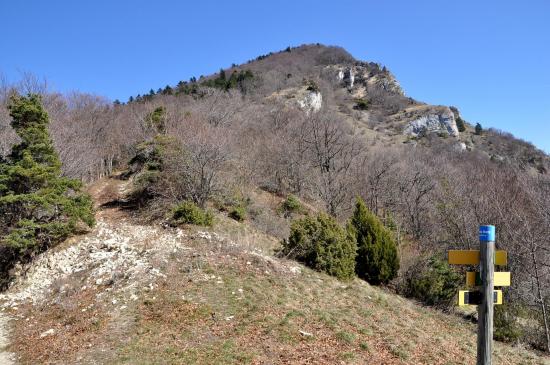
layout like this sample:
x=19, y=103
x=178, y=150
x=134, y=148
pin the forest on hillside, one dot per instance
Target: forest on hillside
x=212, y=140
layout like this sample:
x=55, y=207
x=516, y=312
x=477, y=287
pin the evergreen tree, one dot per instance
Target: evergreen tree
x=479, y=129
x=38, y=207
x=460, y=124
x=377, y=260
x=156, y=120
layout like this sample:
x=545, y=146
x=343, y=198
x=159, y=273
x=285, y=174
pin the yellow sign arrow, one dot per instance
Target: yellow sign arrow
x=473, y=297
x=471, y=257
x=501, y=278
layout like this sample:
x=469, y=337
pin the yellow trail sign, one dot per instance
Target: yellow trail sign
x=471, y=257
x=473, y=297
x=501, y=278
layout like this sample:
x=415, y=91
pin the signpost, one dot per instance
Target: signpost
x=471, y=257
x=474, y=297
x=483, y=281
x=501, y=278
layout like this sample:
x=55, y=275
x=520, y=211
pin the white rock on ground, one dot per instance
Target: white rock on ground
x=312, y=102
x=111, y=253
x=6, y=358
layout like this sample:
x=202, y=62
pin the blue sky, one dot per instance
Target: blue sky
x=489, y=58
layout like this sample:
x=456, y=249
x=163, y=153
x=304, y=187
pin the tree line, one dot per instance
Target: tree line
x=198, y=147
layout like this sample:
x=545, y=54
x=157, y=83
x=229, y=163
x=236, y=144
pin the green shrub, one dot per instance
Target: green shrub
x=460, y=125
x=505, y=323
x=152, y=166
x=433, y=282
x=322, y=244
x=237, y=213
x=377, y=258
x=361, y=104
x=290, y=206
x=156, y=120
x=311, y=86
x=188, y=213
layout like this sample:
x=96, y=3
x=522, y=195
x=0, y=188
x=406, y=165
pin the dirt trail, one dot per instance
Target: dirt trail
x=103, y=192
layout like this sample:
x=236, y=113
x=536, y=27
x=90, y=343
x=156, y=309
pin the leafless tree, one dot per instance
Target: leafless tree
x=333, y=151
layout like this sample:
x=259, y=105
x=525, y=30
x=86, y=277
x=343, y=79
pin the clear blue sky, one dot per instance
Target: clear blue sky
x=490, y=58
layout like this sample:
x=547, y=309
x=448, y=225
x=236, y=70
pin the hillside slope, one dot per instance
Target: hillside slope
x=128, y=293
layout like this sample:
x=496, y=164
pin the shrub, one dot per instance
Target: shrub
x=505, y=322
x=377, y=259
x=188, y=213
x=156, y=120
x=38, y=207
x=322, y=244
x=361, y=104
x=460, y=124
x=290, y=205
x=237, y=213
x=155, y=167
x=433, y=282
x=311, y=86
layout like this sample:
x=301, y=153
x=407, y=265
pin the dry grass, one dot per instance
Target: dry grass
x=236, y=308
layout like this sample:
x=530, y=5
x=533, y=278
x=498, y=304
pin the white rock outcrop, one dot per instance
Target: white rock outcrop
x=443, y=122
x=311, y=102
x=363, y=76
x=349, y=77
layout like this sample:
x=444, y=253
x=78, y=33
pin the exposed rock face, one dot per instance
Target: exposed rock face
x=311, y=102
x=349, y=77
x=365, y=75
x=443, y=122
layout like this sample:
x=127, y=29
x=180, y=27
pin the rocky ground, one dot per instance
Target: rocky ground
x=6, y=358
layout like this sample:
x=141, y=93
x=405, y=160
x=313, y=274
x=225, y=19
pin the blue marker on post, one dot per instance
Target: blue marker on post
x=487, y=233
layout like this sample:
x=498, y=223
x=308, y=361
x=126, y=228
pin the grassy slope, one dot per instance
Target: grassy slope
x=221, y=303
x=348, y=323
x=225, y=306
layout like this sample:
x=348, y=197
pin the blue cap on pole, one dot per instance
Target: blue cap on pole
x=487, y=233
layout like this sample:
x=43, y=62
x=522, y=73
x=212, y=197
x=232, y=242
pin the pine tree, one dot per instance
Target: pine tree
x=38, y=207
x=460, y=124
x=156, y=120
x=479, y=129
x=377, y=260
